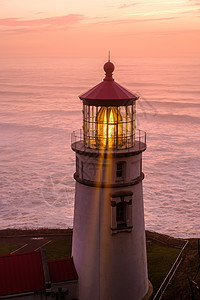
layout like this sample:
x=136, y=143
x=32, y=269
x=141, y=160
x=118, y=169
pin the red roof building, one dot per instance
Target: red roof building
x=62, y=270
x=25, y=274
x=21, y=273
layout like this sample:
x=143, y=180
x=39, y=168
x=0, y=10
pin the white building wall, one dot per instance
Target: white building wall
x=109, y=266
x=123, y=255
x=85, y=245
x=92, y=168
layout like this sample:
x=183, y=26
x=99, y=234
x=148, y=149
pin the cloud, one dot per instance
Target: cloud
x=18, y=25
x=197, y=2
x=129, y=21
x=39, y=12
x=62, y=20
x=172, y=10
x=128, y=5
x=169, y=32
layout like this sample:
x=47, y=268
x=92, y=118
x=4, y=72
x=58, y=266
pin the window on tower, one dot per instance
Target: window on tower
x=120, y=171
x=121, y=211
x=121, y=214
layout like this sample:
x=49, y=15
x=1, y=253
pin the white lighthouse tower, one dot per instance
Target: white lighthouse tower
x=109, y=248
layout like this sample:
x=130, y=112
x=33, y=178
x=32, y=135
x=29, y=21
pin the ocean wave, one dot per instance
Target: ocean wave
x=40, y=109
x=60, y=112
x=178, y=118
x=181, y=103
x=17, y=93
x=160, y=85
x=54, y=86
x=23, y=127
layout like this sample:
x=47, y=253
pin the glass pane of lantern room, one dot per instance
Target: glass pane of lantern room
x=134, y=124
x=113, y=117
x=85, y=124
x=129, y=125
x=122, y=129
x=101, y=127
x=92, y=126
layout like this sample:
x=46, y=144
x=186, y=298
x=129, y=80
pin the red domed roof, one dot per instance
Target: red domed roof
x=108, y=92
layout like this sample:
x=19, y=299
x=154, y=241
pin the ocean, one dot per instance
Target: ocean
x=40, y=108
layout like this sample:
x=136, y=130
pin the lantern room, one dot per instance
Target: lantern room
x=108, y=114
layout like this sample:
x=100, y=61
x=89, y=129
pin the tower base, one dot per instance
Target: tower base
x=149, y=294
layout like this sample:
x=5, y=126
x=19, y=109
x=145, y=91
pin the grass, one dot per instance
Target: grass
x=58, y=249
x=160, y=259
x=6, y=248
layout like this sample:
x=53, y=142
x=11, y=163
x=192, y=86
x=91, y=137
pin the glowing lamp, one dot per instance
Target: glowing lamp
x=108, y=132
x=109, y=114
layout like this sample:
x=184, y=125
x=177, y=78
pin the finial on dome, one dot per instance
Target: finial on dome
x=109, y=56
x=108, y=68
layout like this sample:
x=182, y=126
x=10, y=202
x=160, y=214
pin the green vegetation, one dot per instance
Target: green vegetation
x=160, y=259
x=58, y=249
x=6, y=248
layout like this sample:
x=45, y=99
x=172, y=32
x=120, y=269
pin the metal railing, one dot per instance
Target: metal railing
x=136, y=142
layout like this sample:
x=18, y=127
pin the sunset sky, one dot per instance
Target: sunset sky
x=89, y=28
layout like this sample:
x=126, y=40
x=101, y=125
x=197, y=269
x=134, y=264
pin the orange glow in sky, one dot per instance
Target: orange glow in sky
x=89, y=28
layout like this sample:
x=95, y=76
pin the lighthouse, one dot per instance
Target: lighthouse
x=109, y=247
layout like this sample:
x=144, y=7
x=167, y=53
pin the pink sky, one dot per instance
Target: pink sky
x=89, y=28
